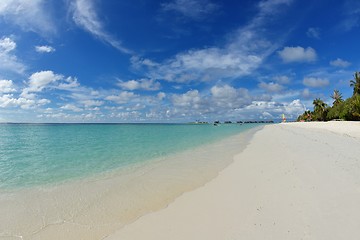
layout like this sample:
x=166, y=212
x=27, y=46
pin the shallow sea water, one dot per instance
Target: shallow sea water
x=87, y=181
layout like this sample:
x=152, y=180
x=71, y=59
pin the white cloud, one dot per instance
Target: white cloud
x=8, y=100
x=207, y=65
x=44, y=49
x=137, y=62
x=189, y=99
x=227, y=97
x=340, y=63
x=315, y=82
x=271, y=87
x=141, y=84
x=136, y=107
x=33, y=15
x=92, y=103
x=85, y=16
x=123, y=97
x=51, y=81
x=6, y=86
x=225, y=92
x=161, y=95
x=69, y=84
x=27, y=95
x=313, y=33
x=282, y=79
x=8, y=60
x=125, y=116
x=271, y=109
x=294, y=108
x=297, y=54
x=220, y=101
x=243, y=53
x=71, y=107
x=43, y=101
x=39, y=80
x=7, y=45
x=193, y=9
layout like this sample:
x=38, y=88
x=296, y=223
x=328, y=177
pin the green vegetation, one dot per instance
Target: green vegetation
x=345, y=110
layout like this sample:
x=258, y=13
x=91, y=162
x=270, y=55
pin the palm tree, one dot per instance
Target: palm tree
x=355, y=83
x=319, y=105
x=319, y=109
x=337, y=96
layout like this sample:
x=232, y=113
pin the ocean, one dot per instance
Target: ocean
x=86, y=181
x=38, y=154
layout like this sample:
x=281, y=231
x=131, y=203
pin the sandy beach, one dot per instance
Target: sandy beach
x=293, y=181
x=94, y=207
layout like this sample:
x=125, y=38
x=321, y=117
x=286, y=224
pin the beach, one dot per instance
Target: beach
x=99, y=203
x=275, y=181
x=292, y=181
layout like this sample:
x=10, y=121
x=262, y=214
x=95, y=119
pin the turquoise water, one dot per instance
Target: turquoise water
x=38, y=154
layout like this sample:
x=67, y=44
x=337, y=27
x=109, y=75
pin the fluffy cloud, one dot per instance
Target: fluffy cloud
x=297, y=54
x=8, y=100
x=7, y=45
x=122, y=97
x=189, y=99
x=71, y=107
x=271, y=87
x=43, y=101
x=340, y=63
x=243, y=53
x=282, y=79
x=142, y=84
x=69, y=84
x=193, y=9
x=207, y=65
x=44, y=49
x=92, y=103
x=31, y=15
x=6, y=86
x=295, y=108
x=273, y=110
x=315, y=82
x=39, y=80
x=85, y=16
x=126, y=116
x=228, y=97
x=8, y=60
x=221, y=100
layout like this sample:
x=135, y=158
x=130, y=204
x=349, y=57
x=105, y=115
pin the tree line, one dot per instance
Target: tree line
x=348, y=109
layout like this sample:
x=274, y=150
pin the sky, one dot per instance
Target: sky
x=173, y=60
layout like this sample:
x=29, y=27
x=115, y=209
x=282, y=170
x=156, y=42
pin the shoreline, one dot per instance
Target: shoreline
x=292, y=181
x=96, y=207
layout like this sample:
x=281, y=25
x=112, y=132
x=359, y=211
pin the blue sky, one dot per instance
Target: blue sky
x=173, y=60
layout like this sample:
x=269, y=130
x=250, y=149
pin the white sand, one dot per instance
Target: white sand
x=294, y=181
